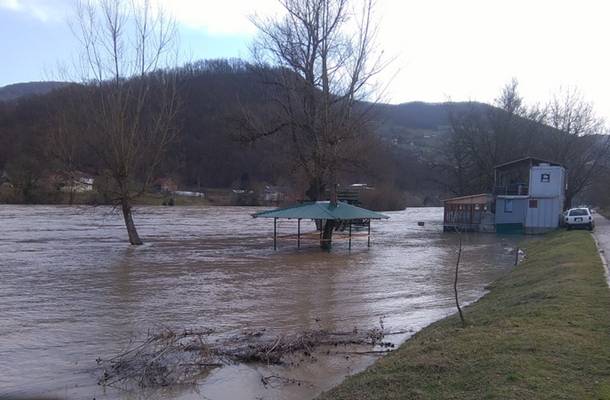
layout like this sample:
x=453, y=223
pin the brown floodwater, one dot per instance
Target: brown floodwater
x=73, y=290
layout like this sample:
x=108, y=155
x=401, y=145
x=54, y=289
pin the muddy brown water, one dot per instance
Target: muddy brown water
x=72, y=290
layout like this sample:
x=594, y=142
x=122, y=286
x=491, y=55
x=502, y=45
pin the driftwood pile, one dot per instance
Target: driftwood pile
x=171, y=357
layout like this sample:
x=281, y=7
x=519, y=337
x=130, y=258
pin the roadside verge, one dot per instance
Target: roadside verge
x=601, y=234
x=543, y=332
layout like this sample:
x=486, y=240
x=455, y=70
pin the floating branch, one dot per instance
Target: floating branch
x=171, y=357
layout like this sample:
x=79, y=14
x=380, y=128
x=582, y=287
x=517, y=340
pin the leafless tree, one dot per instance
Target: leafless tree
x=482, y=137
x=65, y=144
x=324, y=61
x=455, y=278
x=129, y=104
x=579, y=141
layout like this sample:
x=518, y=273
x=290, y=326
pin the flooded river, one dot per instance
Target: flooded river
x=72, y=290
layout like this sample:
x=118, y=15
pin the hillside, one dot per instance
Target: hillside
x=25, y=89
x=417, y=126
x=406, y=137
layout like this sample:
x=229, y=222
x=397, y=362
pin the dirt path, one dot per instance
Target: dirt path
x=602, y=239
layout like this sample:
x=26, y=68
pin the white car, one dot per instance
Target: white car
x=578, y=218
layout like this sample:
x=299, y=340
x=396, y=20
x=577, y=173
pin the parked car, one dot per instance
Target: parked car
x=578, y=218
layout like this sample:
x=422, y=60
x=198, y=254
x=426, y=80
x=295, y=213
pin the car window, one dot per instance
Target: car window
x=578, y=212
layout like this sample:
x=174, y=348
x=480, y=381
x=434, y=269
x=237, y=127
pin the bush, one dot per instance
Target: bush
x=384, y=198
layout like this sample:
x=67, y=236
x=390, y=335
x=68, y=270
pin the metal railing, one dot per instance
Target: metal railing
x=512, y=190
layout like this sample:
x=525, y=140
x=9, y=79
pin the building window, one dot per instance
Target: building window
x=508, y=206
x=546, y=178
x=534, y=203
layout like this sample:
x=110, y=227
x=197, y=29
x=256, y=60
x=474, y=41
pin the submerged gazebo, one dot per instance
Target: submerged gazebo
x=321, y=211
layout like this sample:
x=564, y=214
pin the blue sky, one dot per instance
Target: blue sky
x=443, y=49
x=29, y=46
x=36, y=45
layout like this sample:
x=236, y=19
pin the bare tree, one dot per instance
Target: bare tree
x=578, y=140
x=65, y=145
x=128, y=107
x=482, y=137
x=455, y=278
x=323, y=64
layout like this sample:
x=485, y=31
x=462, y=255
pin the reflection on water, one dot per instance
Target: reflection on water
x=72, y=290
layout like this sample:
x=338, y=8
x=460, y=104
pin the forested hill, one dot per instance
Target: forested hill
x=209, y=154
x=418, y=126
x=19, y=90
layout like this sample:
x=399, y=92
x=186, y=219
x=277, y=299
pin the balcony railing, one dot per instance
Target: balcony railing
x=512, y=190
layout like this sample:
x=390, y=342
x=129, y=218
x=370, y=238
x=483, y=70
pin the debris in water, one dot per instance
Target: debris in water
x=173, y=357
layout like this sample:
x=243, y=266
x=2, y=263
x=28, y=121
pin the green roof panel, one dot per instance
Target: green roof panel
x=321, y=210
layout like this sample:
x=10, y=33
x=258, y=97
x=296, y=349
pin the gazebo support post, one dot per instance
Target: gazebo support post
x=369, y=234
x=350, y=235
x=274, y=233
x=299, y=233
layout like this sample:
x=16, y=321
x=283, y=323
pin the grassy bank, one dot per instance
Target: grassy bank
x=543, y=332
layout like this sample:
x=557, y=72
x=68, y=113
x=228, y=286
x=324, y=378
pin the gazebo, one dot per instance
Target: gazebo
x=322, y=211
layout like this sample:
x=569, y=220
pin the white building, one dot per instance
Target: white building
x=533, y=205
x=79, y=184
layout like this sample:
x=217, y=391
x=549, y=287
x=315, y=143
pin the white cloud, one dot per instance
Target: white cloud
x=229, y=17
x=10, y=4
x=469, y=49
x=43, y=10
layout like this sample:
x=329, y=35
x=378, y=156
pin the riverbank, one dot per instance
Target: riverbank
x=541, y=332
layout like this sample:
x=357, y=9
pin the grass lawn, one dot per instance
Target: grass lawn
x=543, y=332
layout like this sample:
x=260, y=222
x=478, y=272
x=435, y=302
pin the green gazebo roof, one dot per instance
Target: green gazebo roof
x=321, y=210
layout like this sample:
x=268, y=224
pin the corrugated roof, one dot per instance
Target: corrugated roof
x=321, y=210
x=520, y=160
x=486, y=196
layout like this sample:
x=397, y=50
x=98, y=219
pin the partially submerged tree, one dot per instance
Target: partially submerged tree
x=324, y=63
x=128, y=107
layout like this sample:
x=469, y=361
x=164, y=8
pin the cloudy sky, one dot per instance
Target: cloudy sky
x=443, y=49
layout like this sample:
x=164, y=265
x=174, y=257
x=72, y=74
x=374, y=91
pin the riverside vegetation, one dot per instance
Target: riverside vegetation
x=542, y=332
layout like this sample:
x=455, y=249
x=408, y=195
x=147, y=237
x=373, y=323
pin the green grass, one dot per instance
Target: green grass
x=543, y=332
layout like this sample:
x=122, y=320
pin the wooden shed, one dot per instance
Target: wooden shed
x=473, y=213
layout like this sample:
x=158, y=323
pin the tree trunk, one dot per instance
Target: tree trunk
x=327, y=234
x=315, y=191
x=567, y=201
x=134, y=238
x=455, y=280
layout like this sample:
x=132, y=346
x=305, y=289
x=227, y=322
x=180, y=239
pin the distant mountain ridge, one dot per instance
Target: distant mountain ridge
x=18, y=90
x=415, y=115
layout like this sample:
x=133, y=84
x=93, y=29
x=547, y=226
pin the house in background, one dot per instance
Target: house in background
x=528, y=197
x=352, y=194
x=164, y=185
x=274, y=194
x=71, y=181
